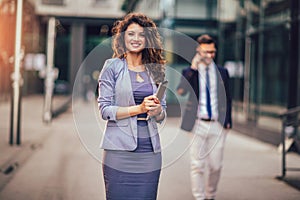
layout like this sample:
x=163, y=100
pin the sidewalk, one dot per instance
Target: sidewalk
x=33, y=132
x=250, y=166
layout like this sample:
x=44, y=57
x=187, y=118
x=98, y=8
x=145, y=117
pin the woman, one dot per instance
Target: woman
x=127, y=82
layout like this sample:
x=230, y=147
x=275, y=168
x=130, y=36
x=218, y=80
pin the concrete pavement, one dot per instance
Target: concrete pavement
x=61, y=160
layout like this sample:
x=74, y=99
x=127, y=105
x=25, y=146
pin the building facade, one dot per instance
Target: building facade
x=30, y=43
x=264, y=39
x=258, y=42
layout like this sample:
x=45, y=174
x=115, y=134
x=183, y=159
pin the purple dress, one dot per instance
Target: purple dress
x=134, y=174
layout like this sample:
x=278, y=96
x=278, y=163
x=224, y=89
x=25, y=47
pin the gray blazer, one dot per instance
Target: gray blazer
x=115, y=90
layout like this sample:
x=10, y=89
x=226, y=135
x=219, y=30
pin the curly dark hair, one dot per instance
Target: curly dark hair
x=152, y=54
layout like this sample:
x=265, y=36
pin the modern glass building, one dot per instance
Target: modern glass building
x=258, y=42
x=264, y=39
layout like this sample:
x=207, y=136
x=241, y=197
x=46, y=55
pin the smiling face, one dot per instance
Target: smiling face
x=207, y=52
x=134, y=38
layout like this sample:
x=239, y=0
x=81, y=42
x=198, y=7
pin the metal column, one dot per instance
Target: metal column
x=260, y=58
x=51, y=72
x=17, y=80
x=294, y=68
x=248, y=45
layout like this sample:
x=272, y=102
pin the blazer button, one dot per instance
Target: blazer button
x=108, y=117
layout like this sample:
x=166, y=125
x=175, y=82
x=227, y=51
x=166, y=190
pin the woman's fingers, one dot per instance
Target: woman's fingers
x=152, y=98
x=151, y=104
x=154, y=110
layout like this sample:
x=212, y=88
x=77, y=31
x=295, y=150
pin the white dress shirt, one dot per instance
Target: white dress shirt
x=202, y=110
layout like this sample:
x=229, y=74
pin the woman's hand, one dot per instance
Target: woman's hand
x=151, y=106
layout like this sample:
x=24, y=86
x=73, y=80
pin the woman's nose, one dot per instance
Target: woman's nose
x=136, y=37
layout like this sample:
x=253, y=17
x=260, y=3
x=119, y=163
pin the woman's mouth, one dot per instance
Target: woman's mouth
x=135, y=45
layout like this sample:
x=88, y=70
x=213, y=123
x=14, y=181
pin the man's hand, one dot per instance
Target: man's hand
x=196, y=61
x=228, y=126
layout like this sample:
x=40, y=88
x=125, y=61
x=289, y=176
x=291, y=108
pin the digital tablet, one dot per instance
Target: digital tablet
x=161, y=89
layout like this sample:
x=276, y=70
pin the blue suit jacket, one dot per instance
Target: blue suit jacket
x=190, y=84
x=115, y=91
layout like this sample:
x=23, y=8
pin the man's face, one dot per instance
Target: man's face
x=207, y=53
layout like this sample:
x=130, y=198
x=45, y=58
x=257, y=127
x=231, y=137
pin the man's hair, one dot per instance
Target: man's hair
x=205, y=39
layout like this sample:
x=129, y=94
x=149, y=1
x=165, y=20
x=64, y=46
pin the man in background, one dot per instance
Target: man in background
x=207, y=116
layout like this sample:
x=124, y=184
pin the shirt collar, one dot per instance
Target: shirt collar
x=202, y=68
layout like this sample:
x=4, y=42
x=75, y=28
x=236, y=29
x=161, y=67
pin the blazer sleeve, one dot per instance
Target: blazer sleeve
x=226, y=79
x=106, y=98
x=185, y=80
x=164, y=107
x=228, y=99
